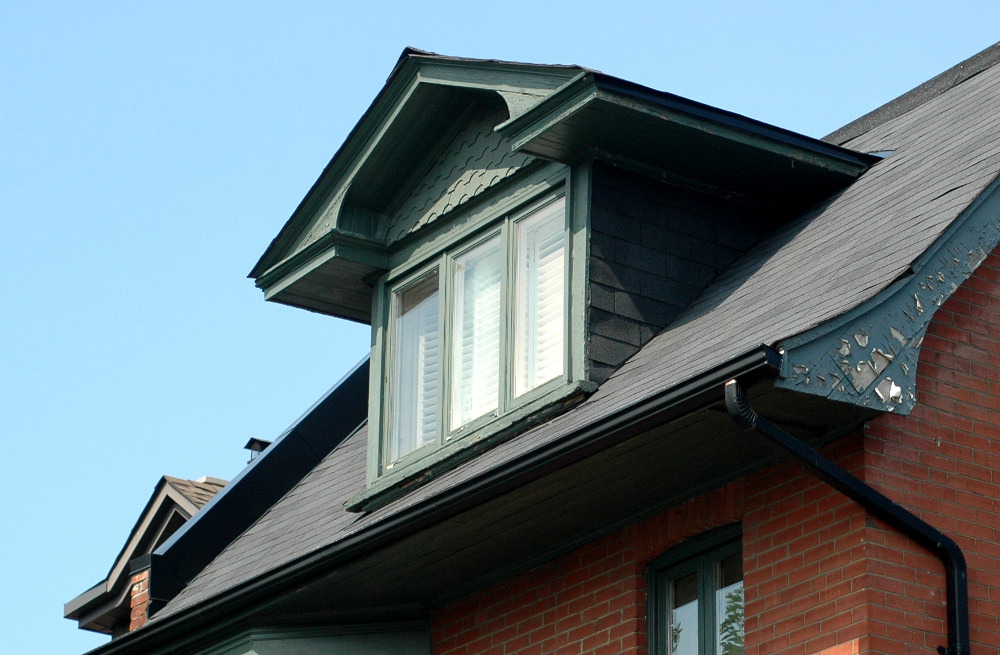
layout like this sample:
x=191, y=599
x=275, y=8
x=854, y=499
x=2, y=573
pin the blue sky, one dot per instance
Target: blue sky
x=150, y=151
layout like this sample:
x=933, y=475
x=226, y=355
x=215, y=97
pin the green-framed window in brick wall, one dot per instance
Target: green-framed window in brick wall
x=696, y=597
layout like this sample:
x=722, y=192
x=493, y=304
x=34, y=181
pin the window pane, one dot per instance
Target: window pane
x=540, y=305
x=682, y=631
x=417, y=368
x=729, y=606
x=475, y=352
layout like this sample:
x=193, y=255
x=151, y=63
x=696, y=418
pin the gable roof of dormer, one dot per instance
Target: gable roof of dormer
x=172, y=503
x=444, y=129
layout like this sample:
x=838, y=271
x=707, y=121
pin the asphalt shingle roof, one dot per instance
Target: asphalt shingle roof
x=199, y=492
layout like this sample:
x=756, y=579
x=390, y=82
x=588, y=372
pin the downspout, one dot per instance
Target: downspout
x=872, y=501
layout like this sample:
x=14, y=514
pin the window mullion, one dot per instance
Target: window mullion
x=706, y=596
x=507, y=289
x=446, y=266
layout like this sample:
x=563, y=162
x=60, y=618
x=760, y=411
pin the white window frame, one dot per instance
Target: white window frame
x=437, y=250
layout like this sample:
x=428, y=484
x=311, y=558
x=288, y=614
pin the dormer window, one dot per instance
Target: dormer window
x=476, y=332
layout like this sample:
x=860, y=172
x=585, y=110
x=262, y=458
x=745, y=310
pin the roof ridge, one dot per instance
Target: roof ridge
x=932, y=88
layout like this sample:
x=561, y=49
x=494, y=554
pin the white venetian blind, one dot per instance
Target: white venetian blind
x=476, y=325
x=417, y=366
x=540, y=304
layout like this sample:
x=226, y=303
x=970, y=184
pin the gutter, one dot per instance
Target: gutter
x=872, y=501
x=222, y=611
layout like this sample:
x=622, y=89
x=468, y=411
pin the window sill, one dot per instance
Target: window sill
x=414, y=473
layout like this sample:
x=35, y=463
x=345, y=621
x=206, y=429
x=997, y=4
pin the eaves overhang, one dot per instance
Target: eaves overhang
x=868, y=356
x=597, y=115
x=392, y=536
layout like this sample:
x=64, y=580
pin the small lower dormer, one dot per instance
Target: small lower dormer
x=118, y=604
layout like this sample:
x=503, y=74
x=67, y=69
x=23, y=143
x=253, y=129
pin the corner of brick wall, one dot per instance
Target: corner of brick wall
x=943, y=463
x=139, y=599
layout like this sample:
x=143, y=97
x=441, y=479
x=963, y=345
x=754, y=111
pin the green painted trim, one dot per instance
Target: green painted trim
x=428, y=463
x=565, y=102
x=591, y=88
x=868, y=356
x=331, y=245
x=532, y=79
x=347, y=158
x=544, y=186
x=580, y=195
x=370, y=131
x=463, y=222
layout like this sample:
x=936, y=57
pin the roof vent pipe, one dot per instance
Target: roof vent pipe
x=874, y=502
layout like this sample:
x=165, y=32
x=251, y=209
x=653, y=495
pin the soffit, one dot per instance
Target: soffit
x=685, y=141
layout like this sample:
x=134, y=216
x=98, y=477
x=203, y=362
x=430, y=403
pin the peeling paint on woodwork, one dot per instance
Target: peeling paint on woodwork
x=874, y=349
x=889, y=391
x=864, y=373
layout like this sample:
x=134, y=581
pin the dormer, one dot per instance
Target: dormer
x=513, y=233
x=110, y=606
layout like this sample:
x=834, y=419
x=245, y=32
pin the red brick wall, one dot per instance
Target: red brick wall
x=139, y=600
x=821, y=577
x=804, y=553
x=943, y=462
x=590, y=601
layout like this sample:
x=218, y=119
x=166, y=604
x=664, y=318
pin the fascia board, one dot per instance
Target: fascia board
x=589, y=88
x=763, y=135
x=495, y=75
x=329, y=246
x=74, y=608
